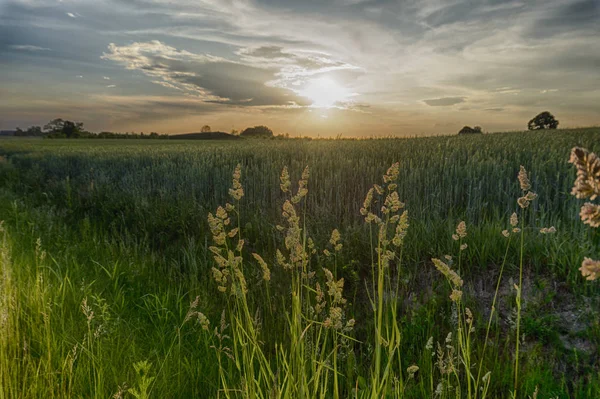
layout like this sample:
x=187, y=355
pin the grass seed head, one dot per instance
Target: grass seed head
x=461, y=229
x=263, y=265
x=367, y=203
x=590, y=269
x=587, y=183
x=450, y=274
x=392, y=173
x=524, y=179
x=285, y=180
x=590, y=214
x=237, y=191
x=456, y=295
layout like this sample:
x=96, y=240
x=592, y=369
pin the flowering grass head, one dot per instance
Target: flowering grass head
x=590, y=269
x=587, y=183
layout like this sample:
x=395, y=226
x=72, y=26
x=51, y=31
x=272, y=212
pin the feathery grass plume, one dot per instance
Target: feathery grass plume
x=319, y=298
x=392, y=203
x=450, y=274
x=193, y=306
x=302, y=186
x=411, y=370
x=590, y=269
x=587, y=183
x=285, y=180
x=456, y=295
x=334, y=240
x=401, y=229
x=429, y=345
x=237, y=191
x=463, y=247
x=590, y=214
x=293, y=237
x=217, y=229
x=548, y=230
x=263, y=265
x=336, y=288
x=523, y=202
x=469, y=314
x=505, y=233
x=367, y=203
x=524, y=179
x=461, y=229
x=514, y=219
x=392, y=173
x=203, y=321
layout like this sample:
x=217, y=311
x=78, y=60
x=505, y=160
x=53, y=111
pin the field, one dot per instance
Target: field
x=122, y=277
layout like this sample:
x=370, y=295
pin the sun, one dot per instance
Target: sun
x=324, y=92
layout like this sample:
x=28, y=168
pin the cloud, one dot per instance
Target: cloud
x=105, y=78
x=264, y=76
x=70, y=14
x=444, y=102
x=111, y=86
x=258, y=55
x=28, y=47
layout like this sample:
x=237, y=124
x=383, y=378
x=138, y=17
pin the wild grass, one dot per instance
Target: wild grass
x=148, y=270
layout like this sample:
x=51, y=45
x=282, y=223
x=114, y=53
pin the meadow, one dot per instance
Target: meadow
x=201, y=269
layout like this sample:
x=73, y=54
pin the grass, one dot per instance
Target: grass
x=108, y=285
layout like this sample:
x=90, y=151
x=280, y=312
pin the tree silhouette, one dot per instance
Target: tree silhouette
x=206, y=129
x=258, y=132
x=469, y=130
x=54, y=126
x=544, y=120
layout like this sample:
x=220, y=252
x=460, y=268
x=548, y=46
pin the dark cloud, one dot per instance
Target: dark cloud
x=568, y=18
x=445, y=101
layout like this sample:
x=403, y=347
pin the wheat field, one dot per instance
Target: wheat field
x=441, y=267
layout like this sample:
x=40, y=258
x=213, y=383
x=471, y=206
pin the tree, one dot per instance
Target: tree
x=34, y=131
x=544, y=120
x=70, y=129
x=470, y=130
x=54, y=126
x=206, y=129
x=257, y=132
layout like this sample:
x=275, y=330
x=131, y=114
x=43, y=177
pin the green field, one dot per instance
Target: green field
x=106, y=264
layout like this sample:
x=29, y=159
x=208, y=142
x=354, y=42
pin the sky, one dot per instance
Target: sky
x=304, y=67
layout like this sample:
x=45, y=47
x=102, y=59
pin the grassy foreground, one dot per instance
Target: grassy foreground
x=122, y=277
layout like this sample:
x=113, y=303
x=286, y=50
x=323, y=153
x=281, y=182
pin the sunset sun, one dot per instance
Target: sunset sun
x=325, y=92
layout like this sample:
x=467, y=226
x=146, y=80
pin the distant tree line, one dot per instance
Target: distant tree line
x=66, y=129
x=543, y=120
x=60, y=128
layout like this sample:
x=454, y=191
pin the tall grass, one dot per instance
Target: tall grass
x=113, y=284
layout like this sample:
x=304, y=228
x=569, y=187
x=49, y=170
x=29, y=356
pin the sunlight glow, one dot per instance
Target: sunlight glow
x=325, y=92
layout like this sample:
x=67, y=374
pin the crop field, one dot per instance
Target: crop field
x=389, y=268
